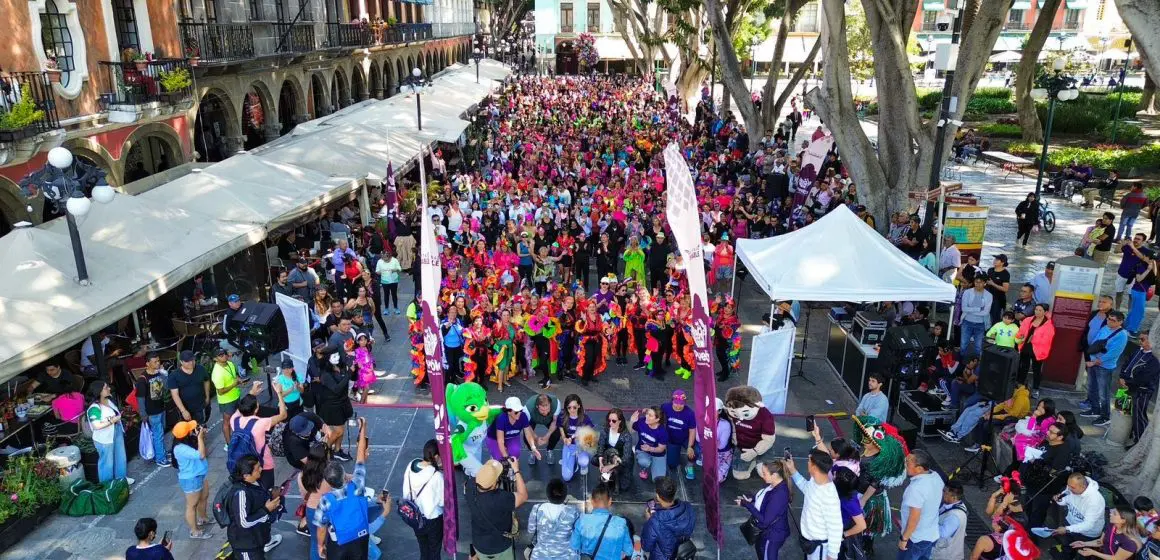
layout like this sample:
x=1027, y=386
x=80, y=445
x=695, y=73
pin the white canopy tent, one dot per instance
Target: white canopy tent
x=838, y=258
x=135, y=251
x=1006, y=56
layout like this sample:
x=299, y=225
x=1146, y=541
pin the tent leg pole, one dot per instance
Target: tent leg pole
x=733, y=284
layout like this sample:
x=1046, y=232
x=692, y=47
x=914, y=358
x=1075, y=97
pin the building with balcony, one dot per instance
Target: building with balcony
x=1065, y=28
x=138, y=87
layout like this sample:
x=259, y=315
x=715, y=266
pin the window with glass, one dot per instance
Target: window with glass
x=57, y=39
x=255, y=10
x=1071, y=19
x=125, y=21
x=566, y=17
x=807, y=20
x=593, y=18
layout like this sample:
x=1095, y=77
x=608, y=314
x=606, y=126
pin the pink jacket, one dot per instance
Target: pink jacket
x=1038, y=431
x=1040, y=339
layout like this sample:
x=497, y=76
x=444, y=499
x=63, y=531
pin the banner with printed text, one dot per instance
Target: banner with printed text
x=684, y=221
x=968, y=225
x=431, y=277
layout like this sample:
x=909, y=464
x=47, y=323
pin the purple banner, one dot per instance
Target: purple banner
x=433, y=347
x=684, y=220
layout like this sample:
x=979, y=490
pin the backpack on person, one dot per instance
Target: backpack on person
x=242, y=443
x=348, y=516
x=221, y=501
x=686, y=550
x=409, y=509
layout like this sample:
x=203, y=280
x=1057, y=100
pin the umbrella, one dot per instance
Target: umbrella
x=1006, y=56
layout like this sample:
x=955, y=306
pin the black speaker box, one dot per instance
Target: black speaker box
x=997, y=369
x=263, y=328
x=901, y=352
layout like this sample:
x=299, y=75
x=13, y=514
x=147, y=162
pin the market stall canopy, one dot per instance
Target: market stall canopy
x=135, y=251
x=1006, y=56
x=838, y=258
x=1113, y=54
x=254, y=189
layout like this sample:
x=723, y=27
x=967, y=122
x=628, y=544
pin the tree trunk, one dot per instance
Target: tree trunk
x=689, y=79
x=730, y=70
x=1136, y=473
x=1025, y=76
x=1148, y=104
x=1143, y=19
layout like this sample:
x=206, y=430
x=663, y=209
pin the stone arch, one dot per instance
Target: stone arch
x=390, y=82
x=407, y=70
x=91, y=148
x=340, y=89
x=319, y=95
x=358, y=83
x=157, y=148
x=403, y=70
x=259, y=116
x=376, y=80
x=291, y=104
x=13, y=206
x=217, y=130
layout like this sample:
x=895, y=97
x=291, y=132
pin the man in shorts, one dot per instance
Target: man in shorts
x=226, y=385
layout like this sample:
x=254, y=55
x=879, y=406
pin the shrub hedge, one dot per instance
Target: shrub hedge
x=999, y=130
x=1101, y=157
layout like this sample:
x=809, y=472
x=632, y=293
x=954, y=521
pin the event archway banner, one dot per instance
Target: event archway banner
x=684, y=221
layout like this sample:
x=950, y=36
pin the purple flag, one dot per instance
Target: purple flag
x=684, y=221
x=433, y=347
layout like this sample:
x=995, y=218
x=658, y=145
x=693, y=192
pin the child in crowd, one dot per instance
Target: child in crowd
x=1003, y=333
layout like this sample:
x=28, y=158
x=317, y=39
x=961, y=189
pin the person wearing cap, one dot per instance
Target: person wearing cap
x=226, y=383
x=524, y=252
x=190, y=388
x=189, y=452
x=503, y=436
x=681, y=424
x=492, y=510
x=246, y=418
x=232, y=330
x=291, y=384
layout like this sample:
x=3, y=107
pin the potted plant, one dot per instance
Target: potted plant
x=52, y=69
x=193, y=54
x=175, y=82
x=16, y=123
x=29, y=493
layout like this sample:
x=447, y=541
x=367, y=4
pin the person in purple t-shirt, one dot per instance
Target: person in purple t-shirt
x=853, y=518
x=681, y=424
x=571, y=419
x=503, y=436
x=652, y=440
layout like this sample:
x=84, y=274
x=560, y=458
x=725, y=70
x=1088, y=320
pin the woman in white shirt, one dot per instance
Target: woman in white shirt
x=423, y=484
x=108, y=435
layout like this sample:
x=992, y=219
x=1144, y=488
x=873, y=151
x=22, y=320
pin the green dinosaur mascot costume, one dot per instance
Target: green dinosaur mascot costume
x=470, y=415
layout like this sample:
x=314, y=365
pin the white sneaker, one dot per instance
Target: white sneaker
x=352, y=422
x=130, y=481
x=275, y=540
x=376, y=539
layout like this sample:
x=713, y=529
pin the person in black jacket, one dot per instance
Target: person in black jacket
x=250, y=508
x=1057, y=456
x=333, y=395
x=1026, y=216
x=581, y=259
x=658, y=261
x=1140, y=376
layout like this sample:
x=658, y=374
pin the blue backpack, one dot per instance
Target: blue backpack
x=348, y=516
x=242, y=443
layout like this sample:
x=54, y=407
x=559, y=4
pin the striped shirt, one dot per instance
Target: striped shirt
x=359, y=478
x=821, y=514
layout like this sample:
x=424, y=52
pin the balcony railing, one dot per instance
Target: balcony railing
x=135, y=83
x=453, y=29
x=297, y=38
x=348, y=35
x=1017, y=26
x=14, y=86
x=1071, y=25
x=216, y=43
x=415, y=31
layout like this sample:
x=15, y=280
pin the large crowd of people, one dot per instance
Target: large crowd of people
x=557, y=264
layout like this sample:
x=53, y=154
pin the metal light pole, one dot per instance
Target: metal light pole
x=478, y=56
x=417, y=83
x=949, y=105
x=1120, y=101
x=1055, y=87
x=63, y=181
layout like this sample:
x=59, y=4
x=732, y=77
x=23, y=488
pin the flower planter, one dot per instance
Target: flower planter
x=141, y=65
x=13, y=530
x=53, y=76
x=193, y=60
x=16, y=135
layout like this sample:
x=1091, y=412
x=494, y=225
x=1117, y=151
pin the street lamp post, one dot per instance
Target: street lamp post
x=1057, y=86
x=417, y=83
x=62, y=181
x=477, y=56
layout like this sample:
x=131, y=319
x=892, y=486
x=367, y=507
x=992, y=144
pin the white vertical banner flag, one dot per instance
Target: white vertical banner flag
x=685, y=223
x=431, y=277
x=297, y=317
x=769, y=364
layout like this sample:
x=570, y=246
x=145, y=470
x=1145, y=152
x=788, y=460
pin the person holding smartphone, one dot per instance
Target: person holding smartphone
x=341, y=518
x=189, y=453
x=146, y=549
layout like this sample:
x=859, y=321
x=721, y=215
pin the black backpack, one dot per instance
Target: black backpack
x=221, y=500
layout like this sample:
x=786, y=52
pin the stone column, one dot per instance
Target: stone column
x=301, y=118
x=233, y=144
x=380, y=93
x=273, y=130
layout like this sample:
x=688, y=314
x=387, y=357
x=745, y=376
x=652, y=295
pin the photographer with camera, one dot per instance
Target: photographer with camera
x=189, y=454
x=493, y=525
